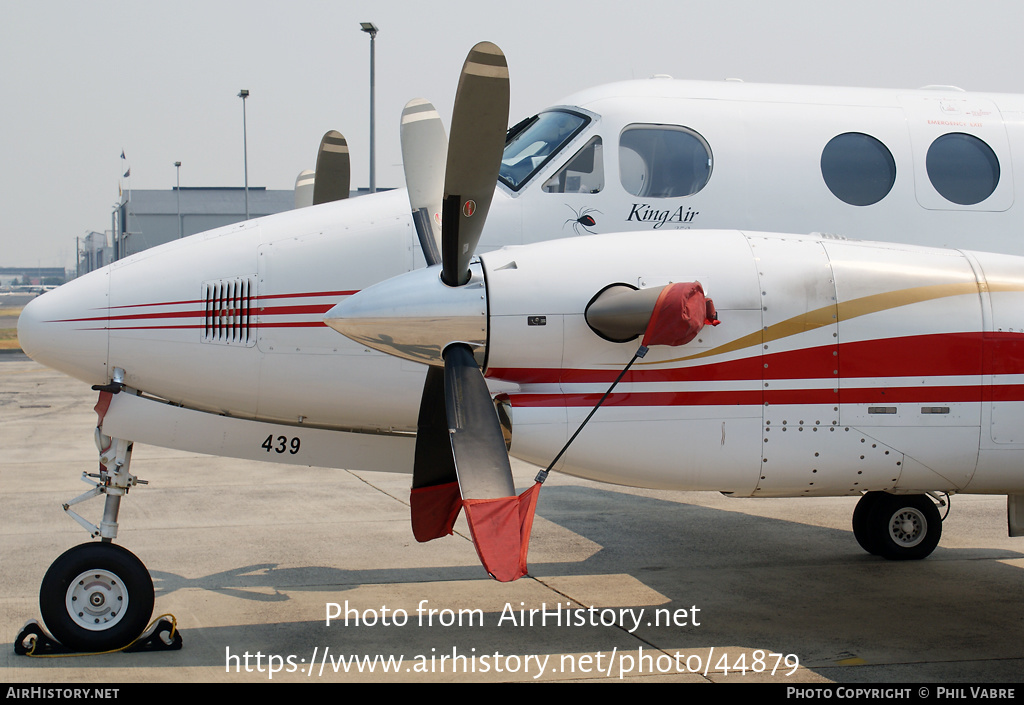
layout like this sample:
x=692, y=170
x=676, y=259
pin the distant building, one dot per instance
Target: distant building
x=146, y=218
x=34, y=276
x=94, y=251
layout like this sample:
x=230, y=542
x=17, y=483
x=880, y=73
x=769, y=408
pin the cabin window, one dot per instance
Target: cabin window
x=662, y=161
x=858, y=169
x=962, y=168
x=583, y=174
x=532, y=146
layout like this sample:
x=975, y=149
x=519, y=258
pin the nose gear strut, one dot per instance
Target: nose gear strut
x=98, y=596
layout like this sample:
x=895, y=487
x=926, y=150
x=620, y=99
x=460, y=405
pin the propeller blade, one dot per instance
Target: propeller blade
x=424, y=151
x=434, y=500
x=304, y=189
x=477, y=140
x=499, y=521
x=332, y=169
x=481, y=460
x=476, y=454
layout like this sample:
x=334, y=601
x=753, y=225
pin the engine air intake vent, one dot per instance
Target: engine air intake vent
x=229, y=316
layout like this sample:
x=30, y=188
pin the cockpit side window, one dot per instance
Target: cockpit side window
x=663, y=161
x=534, y=145
x=583, y=174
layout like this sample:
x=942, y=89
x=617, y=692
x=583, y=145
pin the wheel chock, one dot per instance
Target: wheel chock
x=33, y=640
x=163, y=636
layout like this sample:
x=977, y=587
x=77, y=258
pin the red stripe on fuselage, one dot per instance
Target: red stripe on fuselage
x=202, y=326
x=249, y=298
x=253, y=301
x=881, y=396
x=966, y=355
x=946, y=354
x=311, y=309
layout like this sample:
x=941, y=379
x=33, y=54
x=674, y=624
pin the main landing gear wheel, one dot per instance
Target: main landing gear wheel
x=860, y=521
x=897, y=527
x=96, y=597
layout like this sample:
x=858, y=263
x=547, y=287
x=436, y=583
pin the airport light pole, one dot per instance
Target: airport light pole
x=371, y=29
x=243, y=94
x=177, y=169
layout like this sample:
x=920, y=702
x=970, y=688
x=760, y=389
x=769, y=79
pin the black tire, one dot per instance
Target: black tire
x=860, y=521
x=84, y=594
x=904, y=527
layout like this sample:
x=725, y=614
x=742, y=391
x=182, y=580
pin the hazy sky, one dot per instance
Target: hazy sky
x=82, y=81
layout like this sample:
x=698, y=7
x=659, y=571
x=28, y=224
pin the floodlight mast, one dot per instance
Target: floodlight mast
x=177, y=169
x=371, y=29
x=243, y=94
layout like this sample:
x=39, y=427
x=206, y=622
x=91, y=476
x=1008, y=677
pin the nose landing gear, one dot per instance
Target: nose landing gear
x=99, y=596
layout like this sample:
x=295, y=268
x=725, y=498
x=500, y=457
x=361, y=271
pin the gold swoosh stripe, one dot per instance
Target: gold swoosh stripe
x=846, y=310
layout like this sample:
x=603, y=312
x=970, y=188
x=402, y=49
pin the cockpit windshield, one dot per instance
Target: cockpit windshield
x=538, y=141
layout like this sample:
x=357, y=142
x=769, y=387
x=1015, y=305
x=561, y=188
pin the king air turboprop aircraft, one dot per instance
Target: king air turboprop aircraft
x=824, y=366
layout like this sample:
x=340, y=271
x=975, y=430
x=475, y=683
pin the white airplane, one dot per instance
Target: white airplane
x=839, y=368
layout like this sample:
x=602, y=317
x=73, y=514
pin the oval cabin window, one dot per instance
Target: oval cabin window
x=858, y=169
x=962, y=168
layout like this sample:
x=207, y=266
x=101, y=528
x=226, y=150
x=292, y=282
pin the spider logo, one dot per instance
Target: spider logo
x=582, y=219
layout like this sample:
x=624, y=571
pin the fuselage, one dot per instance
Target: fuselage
x=792, y=159
x=230, y=321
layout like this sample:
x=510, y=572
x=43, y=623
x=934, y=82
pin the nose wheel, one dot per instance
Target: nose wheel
x=897, y=527
x=96, y=597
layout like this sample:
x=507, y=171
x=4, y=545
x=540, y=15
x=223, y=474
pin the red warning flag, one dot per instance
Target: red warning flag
x=102, y=405
x=101, y=408
x=501, y=532
x=434, y=510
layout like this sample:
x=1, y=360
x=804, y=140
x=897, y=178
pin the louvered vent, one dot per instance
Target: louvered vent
x=230, y=316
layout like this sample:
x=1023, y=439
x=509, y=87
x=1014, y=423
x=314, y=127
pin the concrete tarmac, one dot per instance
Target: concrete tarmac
x=249, y=557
